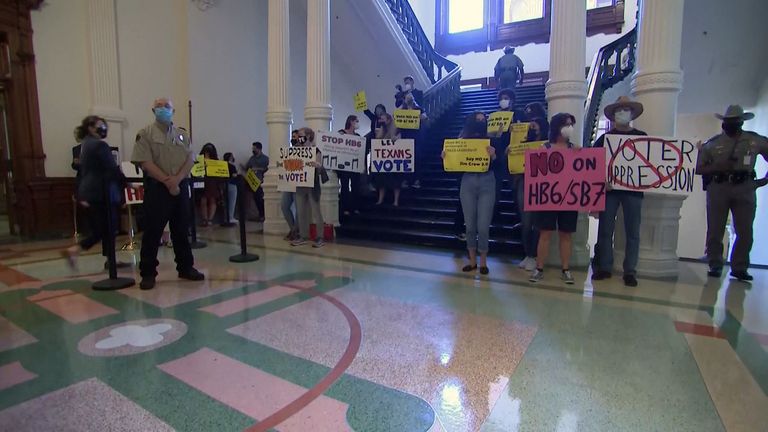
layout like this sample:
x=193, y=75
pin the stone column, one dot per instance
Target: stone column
x=104, y=69
x=656, y=84
x=279, y=115
x=318, y=111
x=566, y=91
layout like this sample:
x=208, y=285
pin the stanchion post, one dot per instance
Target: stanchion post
x=243, y=256
x=194, y=244
x=113, y=282
x=226, y=222
x=131, y=244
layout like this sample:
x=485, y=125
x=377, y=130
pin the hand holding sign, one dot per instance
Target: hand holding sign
x=467, y=155
x=361, y=104
x=252, y=180
x=499, y=122
x=407, y=119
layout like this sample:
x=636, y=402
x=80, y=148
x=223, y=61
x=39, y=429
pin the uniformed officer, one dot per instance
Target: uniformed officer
x=729, y=160
x=164, y=153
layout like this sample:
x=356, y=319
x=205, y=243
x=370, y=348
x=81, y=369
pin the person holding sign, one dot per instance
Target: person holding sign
x=259, y=163
x=212, y=188
x=729, y=159
x=308, y=198
x=620, y=113
x=409, y=103
x=387, y=130
x=564, y=222
x=477, y=195
x=163, y=152
x=350, y=181
x=287, y=199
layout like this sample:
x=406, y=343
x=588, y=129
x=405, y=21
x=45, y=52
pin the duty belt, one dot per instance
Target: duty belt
x=736, y=177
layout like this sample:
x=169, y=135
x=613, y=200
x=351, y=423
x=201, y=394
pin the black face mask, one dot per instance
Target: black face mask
x=732, y=128
x=481, y=127
x=294, y=141
x=302, y=140
x=101, y=131
x=379, y=125
x=532, y=135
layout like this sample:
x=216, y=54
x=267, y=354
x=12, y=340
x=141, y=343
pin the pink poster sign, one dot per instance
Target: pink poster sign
x=572, y=179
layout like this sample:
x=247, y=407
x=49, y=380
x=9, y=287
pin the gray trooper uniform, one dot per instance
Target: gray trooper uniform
x=730, y=164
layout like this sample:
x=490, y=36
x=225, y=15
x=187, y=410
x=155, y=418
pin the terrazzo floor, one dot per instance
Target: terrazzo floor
x=373, y=338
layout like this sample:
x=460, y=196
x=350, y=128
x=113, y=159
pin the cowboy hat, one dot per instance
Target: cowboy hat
x=624, y=102
x=735, y=112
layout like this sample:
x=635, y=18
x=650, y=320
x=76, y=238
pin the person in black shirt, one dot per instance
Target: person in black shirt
x=620, y=113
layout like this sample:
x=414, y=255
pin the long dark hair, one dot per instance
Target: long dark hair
x=211, y=150
x=543, y=127
x=472, y=128
x=82, y=131
x=557, y=123
x=350, y=119
x=227, y=156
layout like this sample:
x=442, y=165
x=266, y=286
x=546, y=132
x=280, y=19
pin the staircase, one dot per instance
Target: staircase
x=426, y=216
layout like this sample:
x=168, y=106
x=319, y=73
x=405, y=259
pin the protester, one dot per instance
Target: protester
x=478, y=197
x=259, y=163
x=350, y=181
x=535, y=110
x=100, y=188
x=509, y=69
x=500, y=139
x=620, y=113
x=212, y=188
x=729, y=160
x=308, y=198
x=287, y=199
x=409, y=103
x=164, y=154
x=564, y=222
x=386, y=130
x=231, y=187
x=408, y=87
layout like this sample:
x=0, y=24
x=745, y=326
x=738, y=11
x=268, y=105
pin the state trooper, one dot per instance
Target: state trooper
x=728, y=159
x=165, y=155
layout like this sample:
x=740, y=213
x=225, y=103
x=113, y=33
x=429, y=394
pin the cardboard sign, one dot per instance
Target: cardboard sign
x=499, y=121
x=407, y=119
x=216, y=168
x=565, y=180
x=466, y=155
x=652, y=164
x=134, y=196
x=252, y=180
x=361, y=104
x=198, y=169
x=516, y=155
x=342, y=152
x=296, y=172
x=392, y=156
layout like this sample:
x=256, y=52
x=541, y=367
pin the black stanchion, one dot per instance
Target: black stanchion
x=113, y=282
x=243, y=256
x=194, y=244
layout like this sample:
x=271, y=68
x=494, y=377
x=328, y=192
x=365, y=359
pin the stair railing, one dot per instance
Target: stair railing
x=611, y=65
x=444, y=74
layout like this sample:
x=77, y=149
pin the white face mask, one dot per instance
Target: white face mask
x=407, y=87
x=566, y=132
x=504, y=103
x=623, y=117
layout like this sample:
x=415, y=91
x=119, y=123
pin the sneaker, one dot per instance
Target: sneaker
x=630, y=280
x=147, y=283
x=531, y=266
x=536, y=276
x=715, y=272
x=742, y=276
x=601, y=275
x=524, y=263
x=318, y=243
x=191, y=274
x=416, y=185
x=567, y=277
x=299, y=242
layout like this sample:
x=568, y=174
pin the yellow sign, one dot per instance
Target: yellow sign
x=499, y=122
x=519, y=133
x=407, y=119
x=198, y=169
x=361, y=104
x=516, y=155
x=252, y=180
x=466, y=155
x=216, y=168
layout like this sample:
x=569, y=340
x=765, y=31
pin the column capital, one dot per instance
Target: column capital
x=652, y=81
x=283, y=116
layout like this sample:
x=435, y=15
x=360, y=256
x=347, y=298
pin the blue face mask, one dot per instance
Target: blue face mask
x=163, y=114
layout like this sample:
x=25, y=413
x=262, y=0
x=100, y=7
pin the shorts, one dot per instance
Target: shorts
x=562, y=221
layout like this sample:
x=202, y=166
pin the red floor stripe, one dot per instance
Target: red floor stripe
x=699, y=329
x=10, y=276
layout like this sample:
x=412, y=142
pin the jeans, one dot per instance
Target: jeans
x=478, y=197
x=231, y=201
x=529, y=233
x=307, y=208
x=258, y=197
x=286, y=203
x=350, y=191
x=632, y=206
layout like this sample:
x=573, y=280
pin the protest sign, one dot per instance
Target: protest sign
x=252, y=179
x=499, y=122
x=216, y=168
x=198, y=169
x=134, y=194
x=652, y=164
x=516, y=155
x=361, y=104
x=565, y=180
x=407, y=119
x=296, y=172
x=392, y=156
x=342, y=152
x=466, y=155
